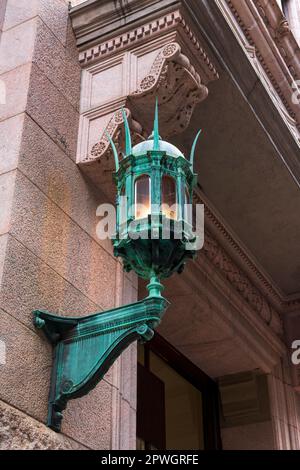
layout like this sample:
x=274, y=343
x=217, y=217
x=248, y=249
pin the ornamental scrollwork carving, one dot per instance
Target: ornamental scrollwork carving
x=174, y=81
x=114, y=128
x=178, y=87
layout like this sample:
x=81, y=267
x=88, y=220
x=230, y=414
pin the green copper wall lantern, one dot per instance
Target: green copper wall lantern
x=153, y=237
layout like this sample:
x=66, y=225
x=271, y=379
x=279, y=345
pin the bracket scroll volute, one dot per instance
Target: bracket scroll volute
x=174, y=81
x=99, y=164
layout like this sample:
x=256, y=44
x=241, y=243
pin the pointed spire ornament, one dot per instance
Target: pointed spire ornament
x=156, y=137
x=115, y=152
x=194, y=148
x=128, y=145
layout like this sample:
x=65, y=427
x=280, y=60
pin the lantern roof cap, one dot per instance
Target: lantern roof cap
x=153, y=144
x=147, y=146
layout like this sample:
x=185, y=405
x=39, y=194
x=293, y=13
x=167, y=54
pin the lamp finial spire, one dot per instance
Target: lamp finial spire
x=115, y=152
x=155, y=128
x=128, y=145
x=194, y=148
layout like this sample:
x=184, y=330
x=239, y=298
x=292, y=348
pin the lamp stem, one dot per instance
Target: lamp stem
x=155, y=287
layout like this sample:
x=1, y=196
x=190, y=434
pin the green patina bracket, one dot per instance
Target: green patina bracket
x=85, y=347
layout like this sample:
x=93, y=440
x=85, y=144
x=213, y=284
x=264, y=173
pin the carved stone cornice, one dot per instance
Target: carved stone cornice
x=279, y=29
x=266, y=29
x=136, y=35
x=233, y=245
x=241, y=283
x=93, y=19
x=157, y=27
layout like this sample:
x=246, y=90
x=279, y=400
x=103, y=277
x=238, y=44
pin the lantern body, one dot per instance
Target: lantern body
x=151, y=237
x=154, y=240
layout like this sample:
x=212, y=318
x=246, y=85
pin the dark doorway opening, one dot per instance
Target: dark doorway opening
x=177, y=403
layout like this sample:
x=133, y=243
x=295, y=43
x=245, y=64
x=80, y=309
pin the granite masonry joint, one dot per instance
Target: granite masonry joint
x=65, y=213
x=37, y=17
x=54, y=85
x=31, y=330
x=13, y=115
x=101, y=308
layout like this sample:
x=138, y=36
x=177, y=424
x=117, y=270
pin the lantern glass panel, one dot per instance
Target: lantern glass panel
x=142, y=197
x=168, y=200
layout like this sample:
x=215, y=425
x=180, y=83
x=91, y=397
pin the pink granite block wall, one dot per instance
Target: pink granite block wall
x=50, y=256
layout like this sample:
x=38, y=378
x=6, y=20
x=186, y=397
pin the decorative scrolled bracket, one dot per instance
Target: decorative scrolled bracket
x=114, y=129
x=85, y=347
x=173, y=80
x=177, y=82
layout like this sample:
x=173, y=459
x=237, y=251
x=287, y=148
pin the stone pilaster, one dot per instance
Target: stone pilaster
x=285, y=411
x=260, y=411
x=245, y=412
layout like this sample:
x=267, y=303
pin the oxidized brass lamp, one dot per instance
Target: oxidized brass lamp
x=153, y=237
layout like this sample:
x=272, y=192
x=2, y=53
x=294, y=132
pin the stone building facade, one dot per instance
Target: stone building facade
x=227, y=66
